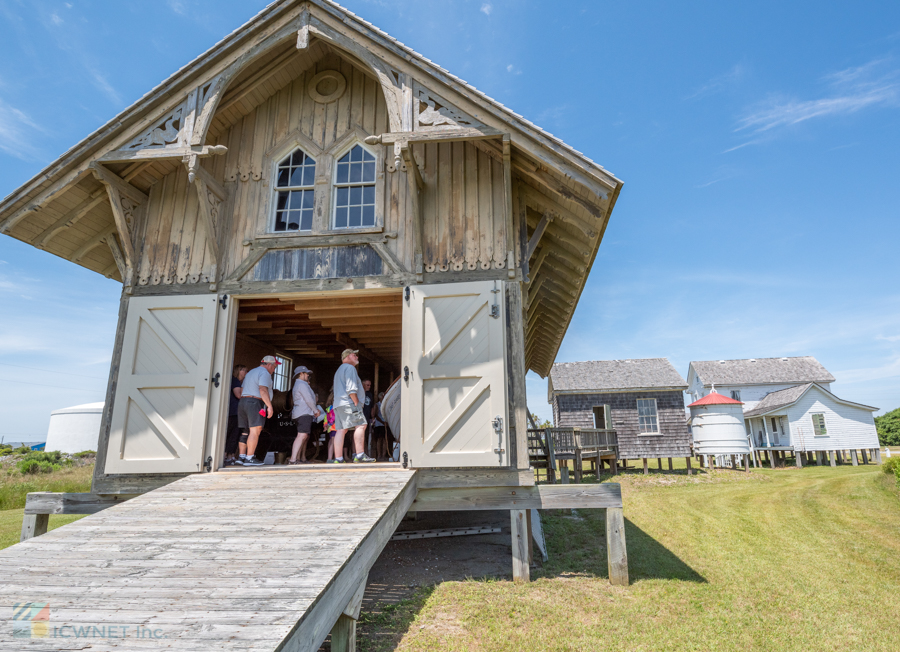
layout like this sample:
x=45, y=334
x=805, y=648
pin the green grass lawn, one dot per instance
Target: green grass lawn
x=775, y=560
x=14, y=486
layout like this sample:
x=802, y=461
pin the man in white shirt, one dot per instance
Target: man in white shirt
x=254, y=408
x=348, y=408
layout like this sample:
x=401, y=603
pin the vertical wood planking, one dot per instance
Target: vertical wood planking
x=472, y=218
x=617, y=555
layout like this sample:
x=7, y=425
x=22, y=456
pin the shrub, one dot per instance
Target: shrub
x=22, y=450
x=53, y=457
x=5, y=449
x=86, y=454
x=891, y=465
x=29, y=467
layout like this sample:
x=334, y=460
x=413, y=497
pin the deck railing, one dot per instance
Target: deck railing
x=546, y=446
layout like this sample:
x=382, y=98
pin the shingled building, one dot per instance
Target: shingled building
x=642, y=400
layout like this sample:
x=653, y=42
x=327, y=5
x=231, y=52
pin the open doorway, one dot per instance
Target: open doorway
x=312, y=331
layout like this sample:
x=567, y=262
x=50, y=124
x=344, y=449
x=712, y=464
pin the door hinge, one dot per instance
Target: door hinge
x=405, y=459
x=209, y=464
x=223, y=301
x=406, y=292
x=406, y=374
x=497, y=423
x=216, y=379
x=495, y=311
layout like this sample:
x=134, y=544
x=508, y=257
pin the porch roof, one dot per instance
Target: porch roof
x=775, y=401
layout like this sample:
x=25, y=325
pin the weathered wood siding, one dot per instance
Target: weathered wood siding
x=463, y=204
x=318, y=262
x=576, y=411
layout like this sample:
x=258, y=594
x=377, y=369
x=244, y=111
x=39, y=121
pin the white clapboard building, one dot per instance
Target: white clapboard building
x=789, y=406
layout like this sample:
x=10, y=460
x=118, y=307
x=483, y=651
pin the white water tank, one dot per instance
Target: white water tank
x=74, y=429
x=717, y=424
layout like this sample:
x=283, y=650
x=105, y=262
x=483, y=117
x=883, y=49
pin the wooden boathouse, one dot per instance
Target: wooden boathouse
x=308, y=184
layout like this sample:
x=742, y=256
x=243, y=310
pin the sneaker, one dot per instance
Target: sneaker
x=362, y=457
x=252, y=461
x=335, y=461
x=240, y=460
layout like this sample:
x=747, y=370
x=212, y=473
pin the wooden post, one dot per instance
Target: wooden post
x=771, y=458
x=579, y=462
x=864, y=456
x=343, y=634
x=670, y=464
x=853, y=457
x=818, y=458
x=688, y=462
x=614, y=466
x=878, y=455
x=520, y=539
x=798, y=457
x=34, y=525
x=659, y=463
x=831, y=458
x=530, y=537
x=733, y=462
x=617, y=555
x=375, y=383
x=746, y=464
x=646, y=470
x=564, y=473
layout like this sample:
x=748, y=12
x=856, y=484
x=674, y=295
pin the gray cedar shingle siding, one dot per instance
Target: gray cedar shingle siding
x=576, y=411
x=805, y=369
x=606, y=375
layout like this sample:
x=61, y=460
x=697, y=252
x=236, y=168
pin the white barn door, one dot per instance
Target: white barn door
x=159, y=415
x=453, y=402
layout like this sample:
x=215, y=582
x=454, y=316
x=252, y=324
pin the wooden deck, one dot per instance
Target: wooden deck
x=226, y=561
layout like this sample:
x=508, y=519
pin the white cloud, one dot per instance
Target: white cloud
x=852, y=90
x=17, y=131
x=720, y=82
x=177, y=6
x=56, y=19
x=487, y=8
x=104, y=86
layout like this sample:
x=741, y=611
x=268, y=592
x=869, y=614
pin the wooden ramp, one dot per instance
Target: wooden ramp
x=218, y=561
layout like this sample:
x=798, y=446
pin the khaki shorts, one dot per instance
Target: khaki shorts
x=347, y=417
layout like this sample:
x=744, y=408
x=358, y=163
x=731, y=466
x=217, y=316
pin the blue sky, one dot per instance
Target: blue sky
x=759, y=144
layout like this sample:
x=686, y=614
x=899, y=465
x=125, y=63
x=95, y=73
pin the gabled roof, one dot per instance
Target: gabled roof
x=558, y=180
x=615, y=375
x=714, y=398
x=783, y=398
x=761, y=371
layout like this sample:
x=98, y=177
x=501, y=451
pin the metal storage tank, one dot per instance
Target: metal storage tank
x=74, y=429
x=717, y=424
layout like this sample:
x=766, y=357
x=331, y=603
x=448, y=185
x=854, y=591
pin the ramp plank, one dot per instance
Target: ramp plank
x=230, y=561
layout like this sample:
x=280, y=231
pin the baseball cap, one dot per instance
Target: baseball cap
x=270, y=359
x=348, y=352
x=302, y=370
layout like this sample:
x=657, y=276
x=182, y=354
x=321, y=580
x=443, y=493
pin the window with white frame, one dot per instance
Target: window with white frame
x=648, y=423
x=295, y=192
x=282, y=378
x=819, y=429
x=354, y=189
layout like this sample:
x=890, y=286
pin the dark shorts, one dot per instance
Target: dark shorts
x=248, y=414
x=304, y=423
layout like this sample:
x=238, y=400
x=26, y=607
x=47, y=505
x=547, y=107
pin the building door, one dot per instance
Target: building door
x=160, y=410
x=453, y=392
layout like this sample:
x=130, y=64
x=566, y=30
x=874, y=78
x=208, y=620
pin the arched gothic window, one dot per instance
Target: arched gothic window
x=294, y=185
x=354, y=189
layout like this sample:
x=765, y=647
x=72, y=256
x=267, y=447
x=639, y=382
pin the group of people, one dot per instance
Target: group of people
x=351, y=408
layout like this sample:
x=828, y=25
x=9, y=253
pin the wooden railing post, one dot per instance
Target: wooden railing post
x=617, y=555
x=34, y=525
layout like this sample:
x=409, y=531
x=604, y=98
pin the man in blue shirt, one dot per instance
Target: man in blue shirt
x=348, y=408
x=254, y=408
